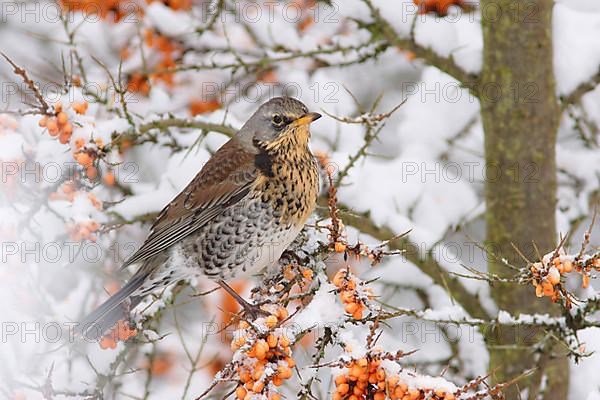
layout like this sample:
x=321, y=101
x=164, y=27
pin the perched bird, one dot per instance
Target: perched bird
x=237, y=216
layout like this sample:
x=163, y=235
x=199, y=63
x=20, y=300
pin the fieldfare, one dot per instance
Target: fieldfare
x=237, y=216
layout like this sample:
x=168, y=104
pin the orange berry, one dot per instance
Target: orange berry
x=347, y=296
x=58, y=107
x=109, y=179
x=161, y=364
x=67, y=128
x=399, y=392
x=567, y=266
x=362, y=362
x=288, y=273
x=202, y=107
x=414, y=394
x=339, y=247
x=260, y=352
x=340, y=278
x=547, y=288
x=336, y=396
x=284, y=341
x=379, y=396
x=245, y=376
x=84, y=159
x=553, y=276
x=284, y=372
x=91, y=172
x=258, y=373
x=52, y=127
x=358, y=314
x=80, y=108
x=340, y=379
x=107, y=342
x=64, y=138
x=79, y=142
x=62, y=118
x=539, y=291
x=355, y=371
x=449, y=396
x=240, y=392
x=258, y=387
x=282, y=313
x=272, y=340
x=308, y=274
x=271, y=321
x=351, y=308
x=42, y=122
x=277, y=381
x=342, y=388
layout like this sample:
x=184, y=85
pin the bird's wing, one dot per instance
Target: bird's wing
x=223, y=181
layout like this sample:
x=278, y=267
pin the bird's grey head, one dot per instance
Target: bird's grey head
x=280, y=115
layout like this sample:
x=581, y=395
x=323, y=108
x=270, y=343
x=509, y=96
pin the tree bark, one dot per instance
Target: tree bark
x=520, y=114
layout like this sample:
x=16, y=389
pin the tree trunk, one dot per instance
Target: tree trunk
x=520, y=113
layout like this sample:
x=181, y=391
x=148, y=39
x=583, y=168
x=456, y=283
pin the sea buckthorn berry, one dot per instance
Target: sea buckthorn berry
x=553, y=276
x=339, y=247
x=271, y=321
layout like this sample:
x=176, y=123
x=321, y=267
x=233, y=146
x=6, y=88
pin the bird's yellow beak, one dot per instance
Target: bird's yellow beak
x=306, y=119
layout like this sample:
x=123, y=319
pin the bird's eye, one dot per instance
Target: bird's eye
x=278, y=120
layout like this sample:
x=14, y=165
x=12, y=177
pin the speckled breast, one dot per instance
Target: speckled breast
x=239, y=242
x=253, y=233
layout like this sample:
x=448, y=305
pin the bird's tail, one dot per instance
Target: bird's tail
x=117, y=307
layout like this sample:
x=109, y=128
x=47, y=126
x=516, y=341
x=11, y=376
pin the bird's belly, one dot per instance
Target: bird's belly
x=240, y=242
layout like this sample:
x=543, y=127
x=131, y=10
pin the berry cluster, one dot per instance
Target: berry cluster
x=86, y=155
x=546, y=275
x=58, y=124
x=439, y=7
x=176, y=4
x=200, y=106
x=121, y=332
x=85, y=230
x=167, y=52
x=112, y=10
x=266, y=358
x=365, y=378
x=352, y=293
x=290, y=273
x=82, y=230
x=546, y=278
